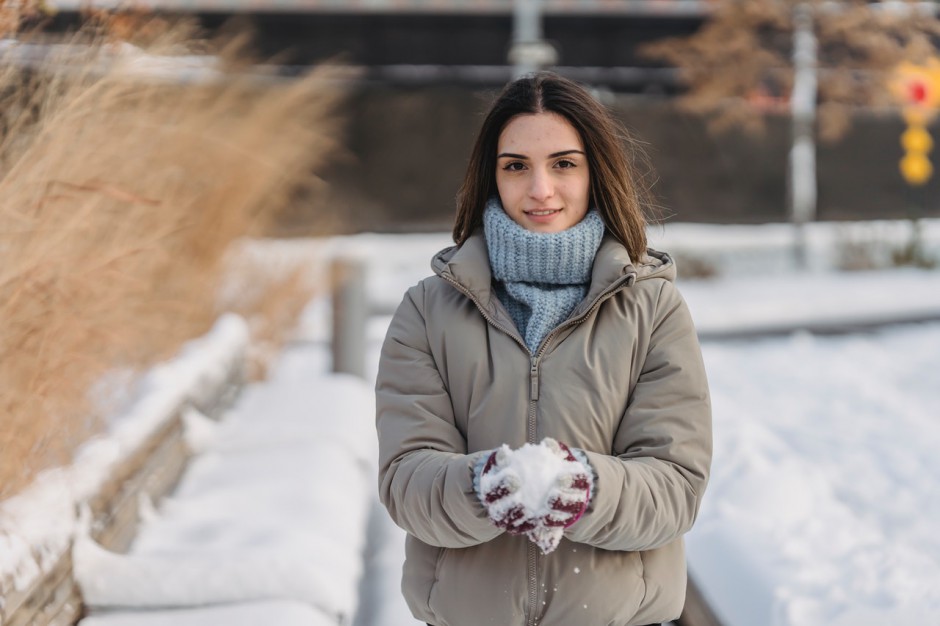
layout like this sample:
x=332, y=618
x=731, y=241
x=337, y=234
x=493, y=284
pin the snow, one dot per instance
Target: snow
x=790, y=300
x=822, y=506
x=531, y=472
x=768, y=249
x=275, y=506
x=37, y=525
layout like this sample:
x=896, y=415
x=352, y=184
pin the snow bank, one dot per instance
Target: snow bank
x=742, y=303
x=275, y=507
x=769, y=248
x=821, y=507
x=37, y=525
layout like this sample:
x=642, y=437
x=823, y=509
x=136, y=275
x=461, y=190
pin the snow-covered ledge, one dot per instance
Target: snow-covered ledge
x=139, y=457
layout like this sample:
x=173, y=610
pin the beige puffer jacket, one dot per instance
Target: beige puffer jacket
x=622, y=379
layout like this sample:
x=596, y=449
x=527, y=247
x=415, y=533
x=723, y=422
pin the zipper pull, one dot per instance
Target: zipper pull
x=534, y=379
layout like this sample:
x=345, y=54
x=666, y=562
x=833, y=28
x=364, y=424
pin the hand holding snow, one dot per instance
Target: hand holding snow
x=536, y=490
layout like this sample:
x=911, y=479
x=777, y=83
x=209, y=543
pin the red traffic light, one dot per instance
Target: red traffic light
x=917, y=91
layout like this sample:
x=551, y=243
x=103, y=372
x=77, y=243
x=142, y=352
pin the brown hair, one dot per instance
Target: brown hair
x=618, y=189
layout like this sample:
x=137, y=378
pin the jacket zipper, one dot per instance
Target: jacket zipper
x=532, y=565
x=532, y=555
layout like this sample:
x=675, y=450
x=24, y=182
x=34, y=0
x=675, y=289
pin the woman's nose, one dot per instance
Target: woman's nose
x=540, y=185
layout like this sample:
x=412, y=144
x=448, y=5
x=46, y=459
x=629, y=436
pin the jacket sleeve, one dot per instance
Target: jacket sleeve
x=425, y=473
x=649, y=490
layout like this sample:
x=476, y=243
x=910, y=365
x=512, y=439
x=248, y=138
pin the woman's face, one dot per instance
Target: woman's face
x=542, y=173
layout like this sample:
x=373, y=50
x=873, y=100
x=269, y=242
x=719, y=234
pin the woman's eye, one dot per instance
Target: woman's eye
x=514, y=166
x=565, y=164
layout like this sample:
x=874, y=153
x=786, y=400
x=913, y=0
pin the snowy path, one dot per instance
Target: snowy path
x=269, y=522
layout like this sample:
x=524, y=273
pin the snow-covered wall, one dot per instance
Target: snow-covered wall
x=37, y=525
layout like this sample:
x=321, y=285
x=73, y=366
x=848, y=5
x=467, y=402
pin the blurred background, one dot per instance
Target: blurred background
x=209, y=210
x=423, y=72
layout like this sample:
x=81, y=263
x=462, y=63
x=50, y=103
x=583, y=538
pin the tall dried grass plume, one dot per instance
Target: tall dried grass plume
x=125, y=174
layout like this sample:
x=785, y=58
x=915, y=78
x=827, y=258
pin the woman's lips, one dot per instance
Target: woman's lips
x=542, y=215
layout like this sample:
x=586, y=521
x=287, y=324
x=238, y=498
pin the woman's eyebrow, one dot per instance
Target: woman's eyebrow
x=553, y=155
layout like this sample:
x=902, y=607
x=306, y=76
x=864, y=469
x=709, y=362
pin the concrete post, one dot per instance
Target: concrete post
x=803, y=110
x=350, y=313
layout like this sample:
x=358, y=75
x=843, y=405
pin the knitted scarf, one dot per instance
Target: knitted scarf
x=540, y=277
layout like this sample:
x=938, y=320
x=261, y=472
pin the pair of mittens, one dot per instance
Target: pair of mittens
x=536, y=490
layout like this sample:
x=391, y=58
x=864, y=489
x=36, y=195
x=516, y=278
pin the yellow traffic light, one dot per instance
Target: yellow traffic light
x=917, y=143
x=916, y=139
x=916, y=169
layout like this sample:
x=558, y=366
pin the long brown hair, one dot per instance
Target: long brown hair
x=618, y=188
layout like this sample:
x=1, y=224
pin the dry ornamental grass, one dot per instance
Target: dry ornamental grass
x=125, y=175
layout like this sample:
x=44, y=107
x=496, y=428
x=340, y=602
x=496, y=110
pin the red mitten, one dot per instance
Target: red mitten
x=566, y=498
x=569, y=497
x=496, y=484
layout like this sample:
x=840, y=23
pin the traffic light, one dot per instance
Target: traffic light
x=917, y=87
x=915, y=165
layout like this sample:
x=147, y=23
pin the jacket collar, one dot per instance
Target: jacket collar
x=468, y=266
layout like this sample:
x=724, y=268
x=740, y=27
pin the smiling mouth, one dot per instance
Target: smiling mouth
x=542, y=212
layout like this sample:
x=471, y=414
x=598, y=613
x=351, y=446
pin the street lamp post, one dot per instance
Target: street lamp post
x=529, y=52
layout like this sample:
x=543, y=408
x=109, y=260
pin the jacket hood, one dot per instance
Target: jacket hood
x=469, y=266
x=657, y=264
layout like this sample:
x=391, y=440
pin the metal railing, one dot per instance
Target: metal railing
x=660, y=8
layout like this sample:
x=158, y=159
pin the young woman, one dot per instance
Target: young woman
x=542, y=409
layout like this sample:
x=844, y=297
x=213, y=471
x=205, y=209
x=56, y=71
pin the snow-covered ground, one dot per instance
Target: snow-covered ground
x=821, y=508
x=271, y=514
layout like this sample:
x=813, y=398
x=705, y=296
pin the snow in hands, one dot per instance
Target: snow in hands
x=536, y=490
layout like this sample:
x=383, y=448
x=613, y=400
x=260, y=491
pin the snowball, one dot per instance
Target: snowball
x=535, y=475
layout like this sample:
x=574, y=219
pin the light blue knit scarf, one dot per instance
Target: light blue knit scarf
x=540, y=277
